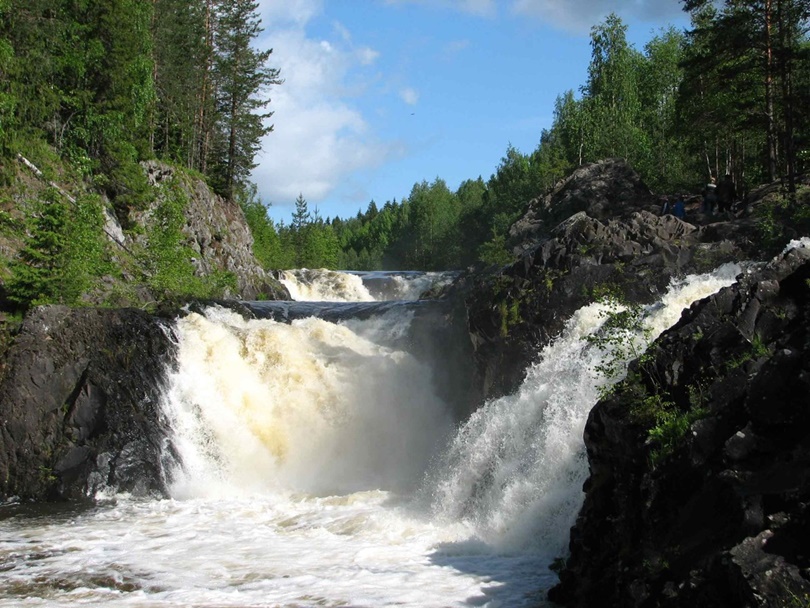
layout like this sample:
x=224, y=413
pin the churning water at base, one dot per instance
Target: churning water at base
x=320, y=469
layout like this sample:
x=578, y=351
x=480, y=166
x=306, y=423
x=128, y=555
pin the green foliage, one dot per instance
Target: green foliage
x=241, y=74
x=781, y=217
x=266, y=242
x=167, y=257
x=756, y=350
x=63, y=255
x=509, y=314
x=622, y=336
x=671, y=426
x=495, y=252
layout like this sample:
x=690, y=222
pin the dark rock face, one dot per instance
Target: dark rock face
x=700, y=461
x=79, y=404
x=515, y=310
x=607, y=189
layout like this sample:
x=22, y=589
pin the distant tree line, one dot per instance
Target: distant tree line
x=730, y=96
x=108, y=83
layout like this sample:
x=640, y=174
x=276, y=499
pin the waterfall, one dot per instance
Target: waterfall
x=515, y=470
x=311, y=406
x=312, y=463
x=321, y=285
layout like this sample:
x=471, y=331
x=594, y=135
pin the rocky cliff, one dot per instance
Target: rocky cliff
x=79, y=395
x=215, y=230
x=700, y=461
x=613, y=246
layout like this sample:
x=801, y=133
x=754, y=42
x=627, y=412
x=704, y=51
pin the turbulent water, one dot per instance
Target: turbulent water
x=319, y=468
x=332, y=286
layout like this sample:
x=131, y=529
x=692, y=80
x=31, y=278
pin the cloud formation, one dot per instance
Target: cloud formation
x=579, y=16
x=481, y=8
x=409, y=96
x=576, y=16
x=319, y=138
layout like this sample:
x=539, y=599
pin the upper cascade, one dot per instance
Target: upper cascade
x=322, y=285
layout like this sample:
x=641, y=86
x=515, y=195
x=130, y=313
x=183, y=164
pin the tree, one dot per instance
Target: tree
x=182, y=57
x=612, y=105
x=660, y=78
x=242, y=76
x=266, y=242
x=754, y=48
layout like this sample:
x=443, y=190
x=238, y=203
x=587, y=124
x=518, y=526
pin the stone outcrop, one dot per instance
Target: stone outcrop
x=699, y=488
x=79, y=397
x=216, y=231
x=608, y=189
x=632, y=253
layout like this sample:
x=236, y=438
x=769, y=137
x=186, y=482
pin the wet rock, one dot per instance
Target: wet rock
x=597, y=234
x=79, y=404
x=719, y=516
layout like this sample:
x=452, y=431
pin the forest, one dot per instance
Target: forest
x=730, y=96
x=90, y=89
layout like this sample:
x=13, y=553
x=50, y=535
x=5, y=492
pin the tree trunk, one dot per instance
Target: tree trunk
x=785, y=69
x=769, y=102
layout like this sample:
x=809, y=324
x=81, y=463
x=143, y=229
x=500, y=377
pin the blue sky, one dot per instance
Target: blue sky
x=381, y=94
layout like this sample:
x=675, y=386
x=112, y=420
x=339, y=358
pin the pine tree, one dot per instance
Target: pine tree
x=242, y=76
x=37, y=275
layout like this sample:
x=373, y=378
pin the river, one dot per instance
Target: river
x=314, y=464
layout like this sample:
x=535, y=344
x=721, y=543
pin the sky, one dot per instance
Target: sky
x=381, y=94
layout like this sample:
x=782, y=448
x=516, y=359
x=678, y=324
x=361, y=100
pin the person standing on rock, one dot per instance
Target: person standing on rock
x=709, y=197
x=679, y=208
x=726, y=193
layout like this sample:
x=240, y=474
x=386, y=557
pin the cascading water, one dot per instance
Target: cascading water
x=308, y=285
x=312, y=406
x=317, y=466
x=515, y=470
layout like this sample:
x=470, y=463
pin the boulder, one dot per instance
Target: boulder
x=700, y=461
x=515, y=310
x=79, y=404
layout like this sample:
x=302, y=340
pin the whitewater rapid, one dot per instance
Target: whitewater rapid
x=322, y=285
x=313, y=464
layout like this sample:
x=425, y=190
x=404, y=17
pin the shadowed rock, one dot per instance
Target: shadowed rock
x=715, y=514
x=79, y=404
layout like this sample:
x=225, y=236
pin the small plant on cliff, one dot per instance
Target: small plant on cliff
x=509, y=315
x=168, y=258
x=757, y=350
x=622, y=337
x=670, y=429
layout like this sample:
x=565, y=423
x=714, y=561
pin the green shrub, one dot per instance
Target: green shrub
x=168, y=259
x=63, y=253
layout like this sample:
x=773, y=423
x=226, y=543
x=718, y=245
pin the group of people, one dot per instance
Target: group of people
x=717, y=198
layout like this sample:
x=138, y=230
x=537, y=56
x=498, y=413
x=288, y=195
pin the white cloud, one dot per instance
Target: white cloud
x=286, y=12
x=480, y=8
x=579, y=16
x=319, y=139
x=367, y=55
x=409, y=96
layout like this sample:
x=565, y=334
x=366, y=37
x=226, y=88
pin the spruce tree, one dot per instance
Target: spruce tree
x=242, y=77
